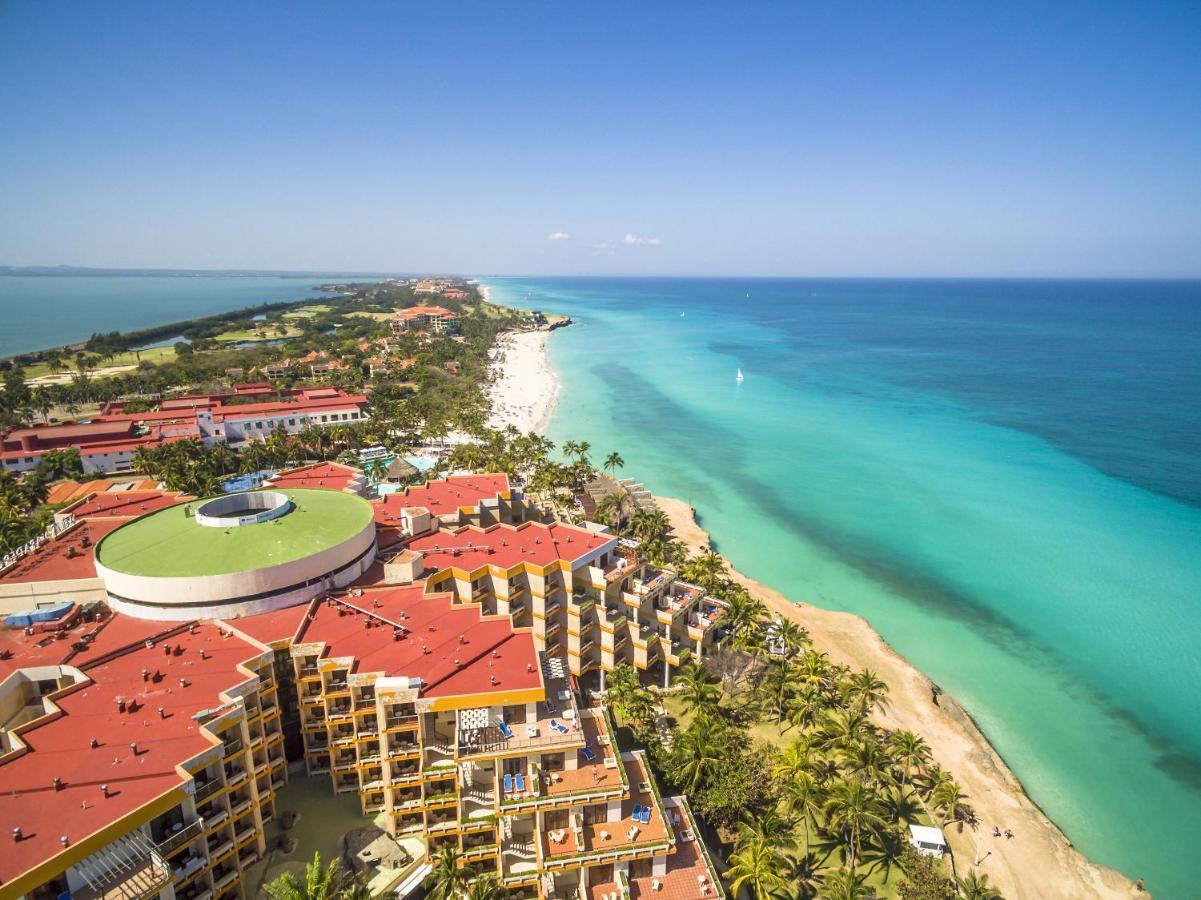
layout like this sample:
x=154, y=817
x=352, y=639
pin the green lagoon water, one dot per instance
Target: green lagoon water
x=1004, y=478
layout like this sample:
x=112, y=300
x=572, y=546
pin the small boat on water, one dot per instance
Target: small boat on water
x=738, y=377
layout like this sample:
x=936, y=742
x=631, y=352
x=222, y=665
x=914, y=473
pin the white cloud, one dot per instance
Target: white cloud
x=639, y=240
x=604, y=248
x=558, y=236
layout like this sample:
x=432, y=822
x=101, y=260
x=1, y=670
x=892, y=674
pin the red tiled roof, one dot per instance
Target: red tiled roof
x=330, y=475
x=124, y=504
x=471, y=548
x=442, y=497
x=453, y=648
x=69, y=432
x=295, y=408
x=65, y=491
x=60, y=747
x=414, y=311
x=53, y=562
x=266, y=628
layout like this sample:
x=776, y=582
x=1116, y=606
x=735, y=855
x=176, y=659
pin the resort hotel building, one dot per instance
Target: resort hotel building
x=107, y=441
x=169, y=664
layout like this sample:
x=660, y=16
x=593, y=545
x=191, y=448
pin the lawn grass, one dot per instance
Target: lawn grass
x=129, y=358
x=377, y=316
x=307, y=312
x=267, y=333
x=169, y=543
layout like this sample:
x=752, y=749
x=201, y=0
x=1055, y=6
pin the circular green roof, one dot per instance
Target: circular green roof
x=171, y=543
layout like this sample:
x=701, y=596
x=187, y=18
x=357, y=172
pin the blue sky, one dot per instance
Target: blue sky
x=824, y=139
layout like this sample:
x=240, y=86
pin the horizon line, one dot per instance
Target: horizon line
x=64, y=269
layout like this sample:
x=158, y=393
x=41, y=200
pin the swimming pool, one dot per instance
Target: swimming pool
x=421, y=463
x=247, y=482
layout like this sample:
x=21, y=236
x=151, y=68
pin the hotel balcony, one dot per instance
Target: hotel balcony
x=404, y=775
x=556, y=725
x=179, y=836
x=624, y=837
x=185, y=867
x=690, y=871
x=705, y=617
x=206, y=789
x=400, y=722
x=652, y=581
x=610, y=616
x=602, y=776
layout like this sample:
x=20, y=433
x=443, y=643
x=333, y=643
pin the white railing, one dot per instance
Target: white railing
x=53, y=530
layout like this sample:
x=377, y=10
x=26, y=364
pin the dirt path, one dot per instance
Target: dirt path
x=1039, y=862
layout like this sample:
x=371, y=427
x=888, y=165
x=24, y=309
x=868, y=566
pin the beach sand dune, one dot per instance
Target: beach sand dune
x=1038, y=862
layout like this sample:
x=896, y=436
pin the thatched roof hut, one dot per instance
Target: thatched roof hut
x=400, y=470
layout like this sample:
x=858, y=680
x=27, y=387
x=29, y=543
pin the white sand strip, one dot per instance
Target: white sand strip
x=525, y=388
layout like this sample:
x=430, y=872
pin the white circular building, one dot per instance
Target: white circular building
x=237, y=554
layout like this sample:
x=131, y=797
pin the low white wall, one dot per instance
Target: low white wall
x=205, y=592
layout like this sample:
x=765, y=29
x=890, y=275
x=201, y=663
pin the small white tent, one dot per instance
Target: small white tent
x=927, y=840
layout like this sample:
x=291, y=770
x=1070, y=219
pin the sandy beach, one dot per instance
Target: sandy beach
x=525, y=387
x=1039, y=862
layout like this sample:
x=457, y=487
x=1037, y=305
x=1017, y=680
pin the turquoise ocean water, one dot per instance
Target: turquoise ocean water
x=42, y=311
x=1004, y=478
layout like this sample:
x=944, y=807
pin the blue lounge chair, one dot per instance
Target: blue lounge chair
x=519, y=782
x=508, y=783
x=636, y=815
x=646, y=815
x=505, y=729
x=554, y=723
x=588, y=753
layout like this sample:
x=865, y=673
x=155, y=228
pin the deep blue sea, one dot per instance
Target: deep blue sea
x=42, y=311
x=1003, y=477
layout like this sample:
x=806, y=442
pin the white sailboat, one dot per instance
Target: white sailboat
x=738, y=377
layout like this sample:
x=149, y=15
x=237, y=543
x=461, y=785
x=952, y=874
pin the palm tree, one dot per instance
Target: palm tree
x=792, y=635
x=697, y=753
x=375, y=469
x=803, y=705
x=697, y=688
x=743, y=616
x=853, y=813
x=803, y=799
x=769, y=827
x=613, y=462
x=867, y=759
x=610, y=508
x=845, y=884
x=707, y=570
x=976, y=887
x=631, y=702
x=486, y=887
x=910, y=752
x=759, y=867
x=647, y=524
x=320, y=882
x=844, y=727
x=447, y=879
x=866, y=691
x=950, y=802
